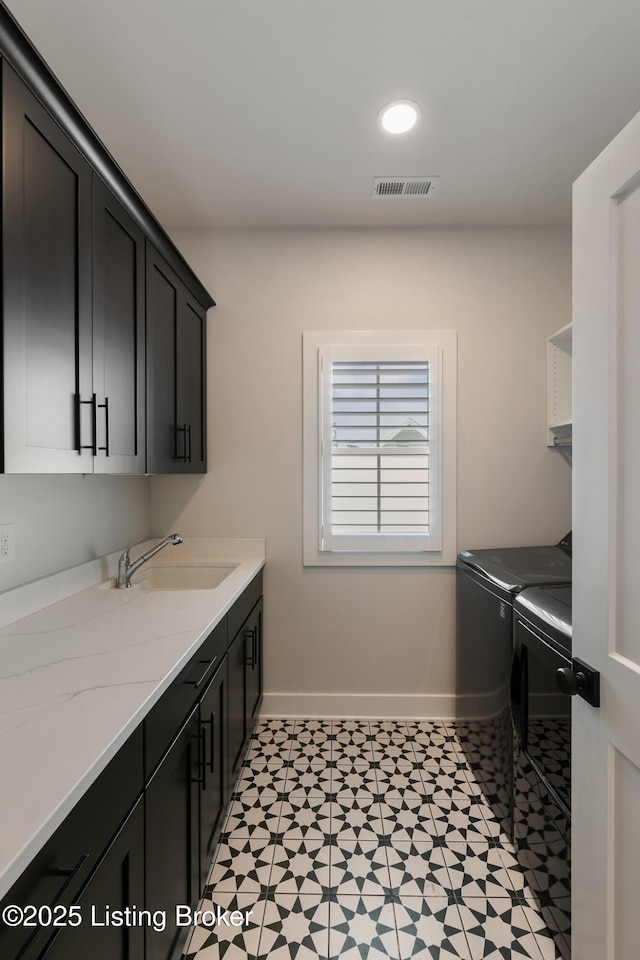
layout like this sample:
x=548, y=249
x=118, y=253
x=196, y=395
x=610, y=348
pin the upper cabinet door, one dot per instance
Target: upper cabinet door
x=118, y=335
x=166, y=445
x=192, y=393
x=49, y=405
x=176, y=383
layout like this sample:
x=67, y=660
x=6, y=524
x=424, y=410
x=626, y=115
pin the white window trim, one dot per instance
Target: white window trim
x=440, y=342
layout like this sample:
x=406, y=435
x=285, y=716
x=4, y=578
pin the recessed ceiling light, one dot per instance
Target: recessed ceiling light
x=399, y=116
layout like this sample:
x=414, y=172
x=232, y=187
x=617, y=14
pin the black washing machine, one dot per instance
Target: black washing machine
x=541, y=712
x=487, y=583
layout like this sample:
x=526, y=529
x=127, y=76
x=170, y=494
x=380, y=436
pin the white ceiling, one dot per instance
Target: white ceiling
x=263, y=112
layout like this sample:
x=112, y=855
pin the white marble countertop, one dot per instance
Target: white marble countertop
x=77, y=677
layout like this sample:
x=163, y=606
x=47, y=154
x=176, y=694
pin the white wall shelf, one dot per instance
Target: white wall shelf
x=559, y=410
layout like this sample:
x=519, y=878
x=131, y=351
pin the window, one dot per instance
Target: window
x=379, y=447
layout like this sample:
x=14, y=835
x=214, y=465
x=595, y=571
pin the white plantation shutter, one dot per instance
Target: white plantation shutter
x=380, y=443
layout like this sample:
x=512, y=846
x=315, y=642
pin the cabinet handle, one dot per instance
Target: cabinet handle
x=94, y=407
x=209, y=664
x=70, y=873
x=183, y=456
x=248, y=659
x=211, y=722
x=105, y=406
x=188, y=434
x=202, y=760
x=255, y=648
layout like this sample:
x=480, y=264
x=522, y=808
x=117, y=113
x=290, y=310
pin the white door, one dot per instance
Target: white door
x=606, y=570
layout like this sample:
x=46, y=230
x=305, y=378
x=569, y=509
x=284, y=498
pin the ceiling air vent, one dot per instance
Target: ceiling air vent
x=403, y=186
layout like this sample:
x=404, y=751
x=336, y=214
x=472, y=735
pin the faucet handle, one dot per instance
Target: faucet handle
x=125, y=553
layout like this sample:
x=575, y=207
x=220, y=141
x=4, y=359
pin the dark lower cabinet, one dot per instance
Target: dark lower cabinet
x=172, y=860
x=245, y=686
x=237, y=715
x=97, y=851
x=252, y=631
x=114, y=892
x=213, y=786
x=143, y=836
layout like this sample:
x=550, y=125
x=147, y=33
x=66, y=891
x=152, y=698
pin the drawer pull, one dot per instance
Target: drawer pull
x=69, y=873
x=209, y=664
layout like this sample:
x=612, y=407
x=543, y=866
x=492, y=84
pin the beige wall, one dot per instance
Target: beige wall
x=61, y=521
x=381, y=641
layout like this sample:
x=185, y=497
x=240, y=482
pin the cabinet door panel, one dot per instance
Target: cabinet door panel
x=213, y=709
x=253, y=640
x=172, y=864
x=237, y=712
x=165, y=449
x=117, y=884
x=47, y=291
x=192, y=382
x=118, y=335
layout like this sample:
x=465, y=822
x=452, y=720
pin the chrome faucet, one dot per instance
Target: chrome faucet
x=126, y=569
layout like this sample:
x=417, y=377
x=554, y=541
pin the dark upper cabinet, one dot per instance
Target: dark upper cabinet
x=176, y=381
x=118, y=336
x=192, y=394
x=46, y=243
x=79, y=261
x=73, y=305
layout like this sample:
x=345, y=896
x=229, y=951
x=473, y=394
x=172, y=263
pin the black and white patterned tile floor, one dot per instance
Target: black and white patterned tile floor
x=364, y=840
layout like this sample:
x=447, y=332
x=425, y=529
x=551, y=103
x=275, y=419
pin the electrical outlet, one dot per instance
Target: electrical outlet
x=7, y=542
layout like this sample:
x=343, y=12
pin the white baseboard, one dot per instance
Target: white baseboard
x=380, y=706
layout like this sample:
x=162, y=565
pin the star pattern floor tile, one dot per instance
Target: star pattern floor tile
x=294, y=927
x=362, y=928
x=359, y=867
x=372, y=839
x=301, y=865
x=418, y=869
x=242, y=865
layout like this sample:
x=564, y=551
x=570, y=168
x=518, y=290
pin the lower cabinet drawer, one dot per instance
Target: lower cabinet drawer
x=57, y=874
x=165, y=718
